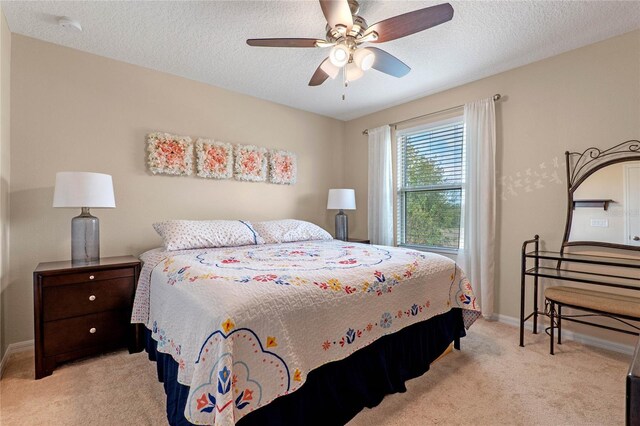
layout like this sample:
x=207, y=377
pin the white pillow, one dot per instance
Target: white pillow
x=191, y=234
x=288, y=230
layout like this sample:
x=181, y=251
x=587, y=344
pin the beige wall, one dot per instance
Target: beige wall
x=5, y=109
x=80, y=112
x=582, y=98
x=75, y=111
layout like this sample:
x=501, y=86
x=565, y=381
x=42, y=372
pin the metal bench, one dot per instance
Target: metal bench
x=617, y=306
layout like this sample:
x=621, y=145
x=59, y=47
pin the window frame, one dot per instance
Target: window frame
x=401, y=199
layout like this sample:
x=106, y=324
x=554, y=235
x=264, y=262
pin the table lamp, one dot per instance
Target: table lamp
x=342, y=199
x=84, y=190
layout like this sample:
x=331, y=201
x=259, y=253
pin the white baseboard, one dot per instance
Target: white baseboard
x=14, y=348
x=516, y=322
x=576, y=337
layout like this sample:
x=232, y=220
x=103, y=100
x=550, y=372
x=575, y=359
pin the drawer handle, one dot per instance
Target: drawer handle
x=92, y=298
x=91, y=277
x=92, y=330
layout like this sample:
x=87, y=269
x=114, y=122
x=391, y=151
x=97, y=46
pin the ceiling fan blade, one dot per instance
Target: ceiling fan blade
x=284, y=42
x=388, y=64
x=337, y=12
x=411, y=22
x=319, y=76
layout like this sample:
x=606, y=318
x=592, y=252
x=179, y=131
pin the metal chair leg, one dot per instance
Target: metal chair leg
x=559, y=324
x=552, y=311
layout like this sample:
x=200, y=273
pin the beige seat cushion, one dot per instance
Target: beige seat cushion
x=617, y=304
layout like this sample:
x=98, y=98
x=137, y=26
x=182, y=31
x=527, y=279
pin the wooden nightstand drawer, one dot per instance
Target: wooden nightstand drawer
x=83, y=309
x=90, y=276
x=66, y=301
x=105, y=329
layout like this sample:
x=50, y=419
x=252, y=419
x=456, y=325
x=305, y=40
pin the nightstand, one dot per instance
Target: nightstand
x=358, y=240
x=83, y=310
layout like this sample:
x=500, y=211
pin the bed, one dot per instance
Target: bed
x=295, y=333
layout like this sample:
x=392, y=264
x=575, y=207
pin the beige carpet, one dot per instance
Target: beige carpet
x=491, y=381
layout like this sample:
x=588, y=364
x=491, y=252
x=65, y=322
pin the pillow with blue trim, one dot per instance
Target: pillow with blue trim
x=193, y=234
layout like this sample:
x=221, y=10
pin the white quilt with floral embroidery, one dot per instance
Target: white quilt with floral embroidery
x=247, y=324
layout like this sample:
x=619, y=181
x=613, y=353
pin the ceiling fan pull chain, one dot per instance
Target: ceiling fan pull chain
x=345, y=83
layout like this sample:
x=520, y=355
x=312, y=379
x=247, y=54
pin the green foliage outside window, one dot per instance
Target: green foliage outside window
x=432, y=216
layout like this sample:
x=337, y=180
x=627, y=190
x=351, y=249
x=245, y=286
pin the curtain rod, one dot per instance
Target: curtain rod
x=496, y=97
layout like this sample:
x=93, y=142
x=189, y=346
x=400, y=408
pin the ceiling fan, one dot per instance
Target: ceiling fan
x=347, y=31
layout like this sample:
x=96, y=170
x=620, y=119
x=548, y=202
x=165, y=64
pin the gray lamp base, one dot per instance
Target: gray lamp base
x=85, y=238
x=342, y=226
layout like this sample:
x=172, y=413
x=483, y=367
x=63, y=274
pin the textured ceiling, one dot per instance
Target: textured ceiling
x=205, y=41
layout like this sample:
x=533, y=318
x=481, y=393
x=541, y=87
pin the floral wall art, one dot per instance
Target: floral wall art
x=170, y=154
x=250, y=163
x=283, y=167
x=214, y=159
x=174, y=155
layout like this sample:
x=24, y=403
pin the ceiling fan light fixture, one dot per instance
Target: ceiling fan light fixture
x=339, y=55
x=364, y=59
x=353, y=72
x=330, y=69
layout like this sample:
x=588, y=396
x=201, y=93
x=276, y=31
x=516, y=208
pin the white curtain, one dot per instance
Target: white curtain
x=380, y=203
x=480, y=200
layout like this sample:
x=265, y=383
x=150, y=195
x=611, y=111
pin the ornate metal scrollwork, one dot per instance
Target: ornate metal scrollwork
x=582, y=164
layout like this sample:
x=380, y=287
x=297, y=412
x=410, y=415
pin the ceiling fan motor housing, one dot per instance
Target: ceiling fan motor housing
x=357, y=30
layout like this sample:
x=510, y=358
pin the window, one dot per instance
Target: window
x=430, y=185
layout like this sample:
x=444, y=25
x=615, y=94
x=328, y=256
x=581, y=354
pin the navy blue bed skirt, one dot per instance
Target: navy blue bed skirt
x=334, y=393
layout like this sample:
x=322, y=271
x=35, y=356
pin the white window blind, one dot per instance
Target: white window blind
x=430, y=185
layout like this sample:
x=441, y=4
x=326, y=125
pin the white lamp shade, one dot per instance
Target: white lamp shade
x=364, y=59
x=83, y=189
x=339, y=55
x=341, y=199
